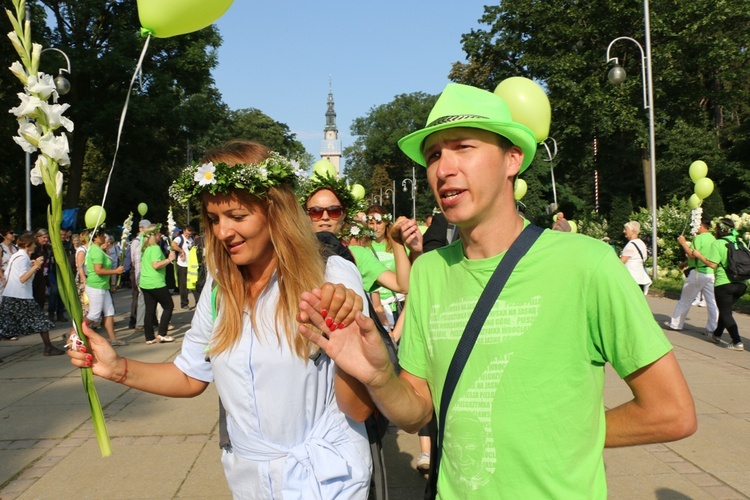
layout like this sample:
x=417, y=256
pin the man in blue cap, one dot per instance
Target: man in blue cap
x=527, y=418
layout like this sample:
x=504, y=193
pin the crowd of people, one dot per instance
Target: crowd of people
x=319, y=318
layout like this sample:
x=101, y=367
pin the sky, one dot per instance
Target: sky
x=278, y=57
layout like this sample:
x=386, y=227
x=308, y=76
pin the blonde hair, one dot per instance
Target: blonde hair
x=634, y=226
x=300, y=263
x=151, y=239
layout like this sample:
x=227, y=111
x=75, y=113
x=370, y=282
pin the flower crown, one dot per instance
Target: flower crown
x=358, y=230
x=221, y=178
x=379, y=217
x=340, y=188
x=151, y=232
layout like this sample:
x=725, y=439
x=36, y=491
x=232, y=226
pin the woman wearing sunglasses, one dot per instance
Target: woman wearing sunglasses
x=330, y=205
x=294, y=423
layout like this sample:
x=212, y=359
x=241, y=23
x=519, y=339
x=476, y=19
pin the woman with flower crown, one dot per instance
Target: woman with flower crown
x=293, y=419
x=331, y=206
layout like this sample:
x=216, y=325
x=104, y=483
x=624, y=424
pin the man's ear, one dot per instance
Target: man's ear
x=514, y=156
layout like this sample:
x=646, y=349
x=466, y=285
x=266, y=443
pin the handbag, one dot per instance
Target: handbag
x=487, y=299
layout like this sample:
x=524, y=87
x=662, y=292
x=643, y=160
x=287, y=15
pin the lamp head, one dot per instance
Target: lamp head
x=617, y=75
x=62, y=85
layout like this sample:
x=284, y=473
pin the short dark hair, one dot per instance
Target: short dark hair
x=26, y=240
x=189, y=228
x=706, y=222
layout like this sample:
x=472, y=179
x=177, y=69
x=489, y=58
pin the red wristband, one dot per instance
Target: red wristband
x=125, y=373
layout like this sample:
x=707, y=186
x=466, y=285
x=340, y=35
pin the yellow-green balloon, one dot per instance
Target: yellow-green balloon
x=704, y=187
x=520, y=189
x=324, y=168
x=528, y=104
x=698, y=170
x=95, y=216
x=694, y=201
x=165, y=18
x=573, y=226
x=142, y=209
x=358, y=191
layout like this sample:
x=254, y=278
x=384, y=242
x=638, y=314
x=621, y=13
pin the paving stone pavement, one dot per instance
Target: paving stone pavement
x=168, y=448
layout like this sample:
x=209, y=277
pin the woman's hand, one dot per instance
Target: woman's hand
x=336, y=304
x=100, y=356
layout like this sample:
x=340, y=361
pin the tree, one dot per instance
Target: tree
x=700, y=65
x=377, y=144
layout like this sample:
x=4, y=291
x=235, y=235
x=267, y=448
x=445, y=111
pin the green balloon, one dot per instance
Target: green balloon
x=520, y=189
x=166, y=18
x=324, y=168
x=704, y=187
x=698, y=170
x=694, y=201
x=95, y=216
x=528, y=104
x=358, y=191
x=142, y=209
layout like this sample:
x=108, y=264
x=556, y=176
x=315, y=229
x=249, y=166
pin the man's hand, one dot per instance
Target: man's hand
x=406, y=232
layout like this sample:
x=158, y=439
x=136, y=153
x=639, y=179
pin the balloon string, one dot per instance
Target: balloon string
x=119, y=131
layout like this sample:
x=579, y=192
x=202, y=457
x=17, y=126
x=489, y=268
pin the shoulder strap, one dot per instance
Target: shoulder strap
x=490, y=294
x=637, y=250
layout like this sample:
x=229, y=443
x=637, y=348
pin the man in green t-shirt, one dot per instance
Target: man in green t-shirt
x=700, y=280
x=527, y=418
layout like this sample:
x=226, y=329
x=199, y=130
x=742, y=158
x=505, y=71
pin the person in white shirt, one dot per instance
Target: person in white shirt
x=181, y=246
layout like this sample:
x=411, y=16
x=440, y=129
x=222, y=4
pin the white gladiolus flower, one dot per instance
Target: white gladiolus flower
x=17, y=69
x=205, y=174
x=30, y=131
x=36, y=172
x=56, y=147
x=54, y=116
x=25, y=145
x=43, y=85
x=29, y=106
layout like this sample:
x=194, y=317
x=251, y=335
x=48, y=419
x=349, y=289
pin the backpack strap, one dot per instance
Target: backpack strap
x=487, y=299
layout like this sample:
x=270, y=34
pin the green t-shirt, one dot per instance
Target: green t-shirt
x=527, y=417
x=703, y=243
x=369, y=267
x=389, y=261
x=718, y=255
x=95, y=255
x=152, y=278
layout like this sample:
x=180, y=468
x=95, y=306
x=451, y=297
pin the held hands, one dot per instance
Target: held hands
x=100, y=357
x=356, y=348
x=336, y=304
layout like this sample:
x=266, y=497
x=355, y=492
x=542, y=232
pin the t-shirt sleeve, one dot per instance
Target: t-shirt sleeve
x=629, y=250
x=369, y=267
x=192, y=359
x=622, y=329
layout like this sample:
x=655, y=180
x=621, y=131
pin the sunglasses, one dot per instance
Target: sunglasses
x=334, y=212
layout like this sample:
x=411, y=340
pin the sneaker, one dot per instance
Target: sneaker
x=668, y=326
x=696, y=302
x=702, y=303
x=736, y=347
x=423, y=463
x=715, y=339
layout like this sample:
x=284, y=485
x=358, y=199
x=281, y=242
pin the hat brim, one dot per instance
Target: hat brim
x=516, y=133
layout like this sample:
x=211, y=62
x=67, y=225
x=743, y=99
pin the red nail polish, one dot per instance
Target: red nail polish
x=324, y=312
x=82, y=348
x=88, y=364
x=333, y=328
x=329, y=322
x=89, y=357
x=341, y=325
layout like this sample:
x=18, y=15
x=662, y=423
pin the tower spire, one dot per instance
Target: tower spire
x=330, y=147
x=330, y=113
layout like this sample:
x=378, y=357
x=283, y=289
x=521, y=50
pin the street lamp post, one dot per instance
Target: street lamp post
x=413, y=181
x=616, y=76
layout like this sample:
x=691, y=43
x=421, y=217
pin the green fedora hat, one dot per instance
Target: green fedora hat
x=466, y=106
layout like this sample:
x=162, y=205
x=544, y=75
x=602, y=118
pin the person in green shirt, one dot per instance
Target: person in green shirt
x=527, y=418
x=727, y=292
x=153, y=283
x=700, y=280
x=98, y=270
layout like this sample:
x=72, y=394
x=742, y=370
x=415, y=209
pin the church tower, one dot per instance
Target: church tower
x=330, y=146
